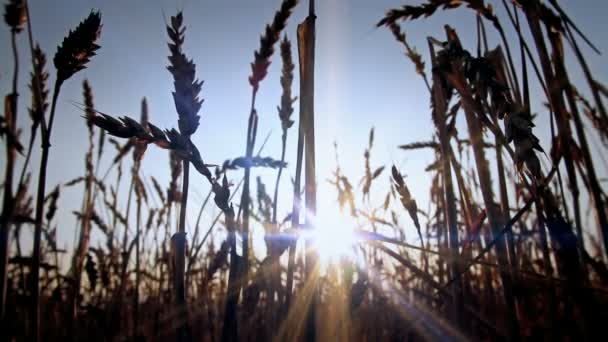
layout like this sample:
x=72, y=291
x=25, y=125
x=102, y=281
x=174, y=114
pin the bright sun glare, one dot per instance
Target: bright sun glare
x=333, y=237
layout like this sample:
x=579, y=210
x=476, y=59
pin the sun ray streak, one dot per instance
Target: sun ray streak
x=291, y=327
x=426, y=323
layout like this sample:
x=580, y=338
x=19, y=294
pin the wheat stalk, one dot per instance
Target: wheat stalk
x=14, y=17
x=85, y=229
x=439, y=110
x=285, y=111
x=259, y=70
x=72, y=55
x=187, y=105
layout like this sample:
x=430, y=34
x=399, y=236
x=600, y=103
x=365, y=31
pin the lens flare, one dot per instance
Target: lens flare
x=333, y=237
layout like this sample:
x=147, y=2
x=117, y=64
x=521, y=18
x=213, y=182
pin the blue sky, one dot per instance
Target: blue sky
x=362, y=80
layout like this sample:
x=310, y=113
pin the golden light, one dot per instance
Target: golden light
x=333, y=237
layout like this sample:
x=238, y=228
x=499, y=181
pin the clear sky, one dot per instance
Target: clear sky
x=362, y=80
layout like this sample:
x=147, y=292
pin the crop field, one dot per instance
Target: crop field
x=487, y=220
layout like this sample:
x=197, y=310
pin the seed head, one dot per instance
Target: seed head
x=140, y=148
x=286, y=108
x=89, y=107
x=261, y=62
x=187, y=87
x=78, y=47
x=14, y=15
x=38, y=87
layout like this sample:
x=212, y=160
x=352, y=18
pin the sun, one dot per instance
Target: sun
x=333, y=237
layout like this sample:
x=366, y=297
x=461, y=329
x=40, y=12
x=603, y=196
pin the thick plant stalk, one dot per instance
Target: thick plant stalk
x=193, y=252
x=138, y=154
x=558, y=107
x=295, y=218
x=504, y=199
x=577, y=51
x=547, y=269
x=592, y=83
x=561, y=233
x=187, y=106
x=439, y=119
x=15, y=17
x=230, y=327
x=504, y=196
x=35, y=288
x=465, y=194
x=179, y=244
x=8, y=204
x=306, y=50
x=594, y=185
x=494, y=214
x=245, y=198
x=583, y=298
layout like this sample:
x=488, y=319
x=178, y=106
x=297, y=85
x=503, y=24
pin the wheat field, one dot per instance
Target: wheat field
x=502, y=235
